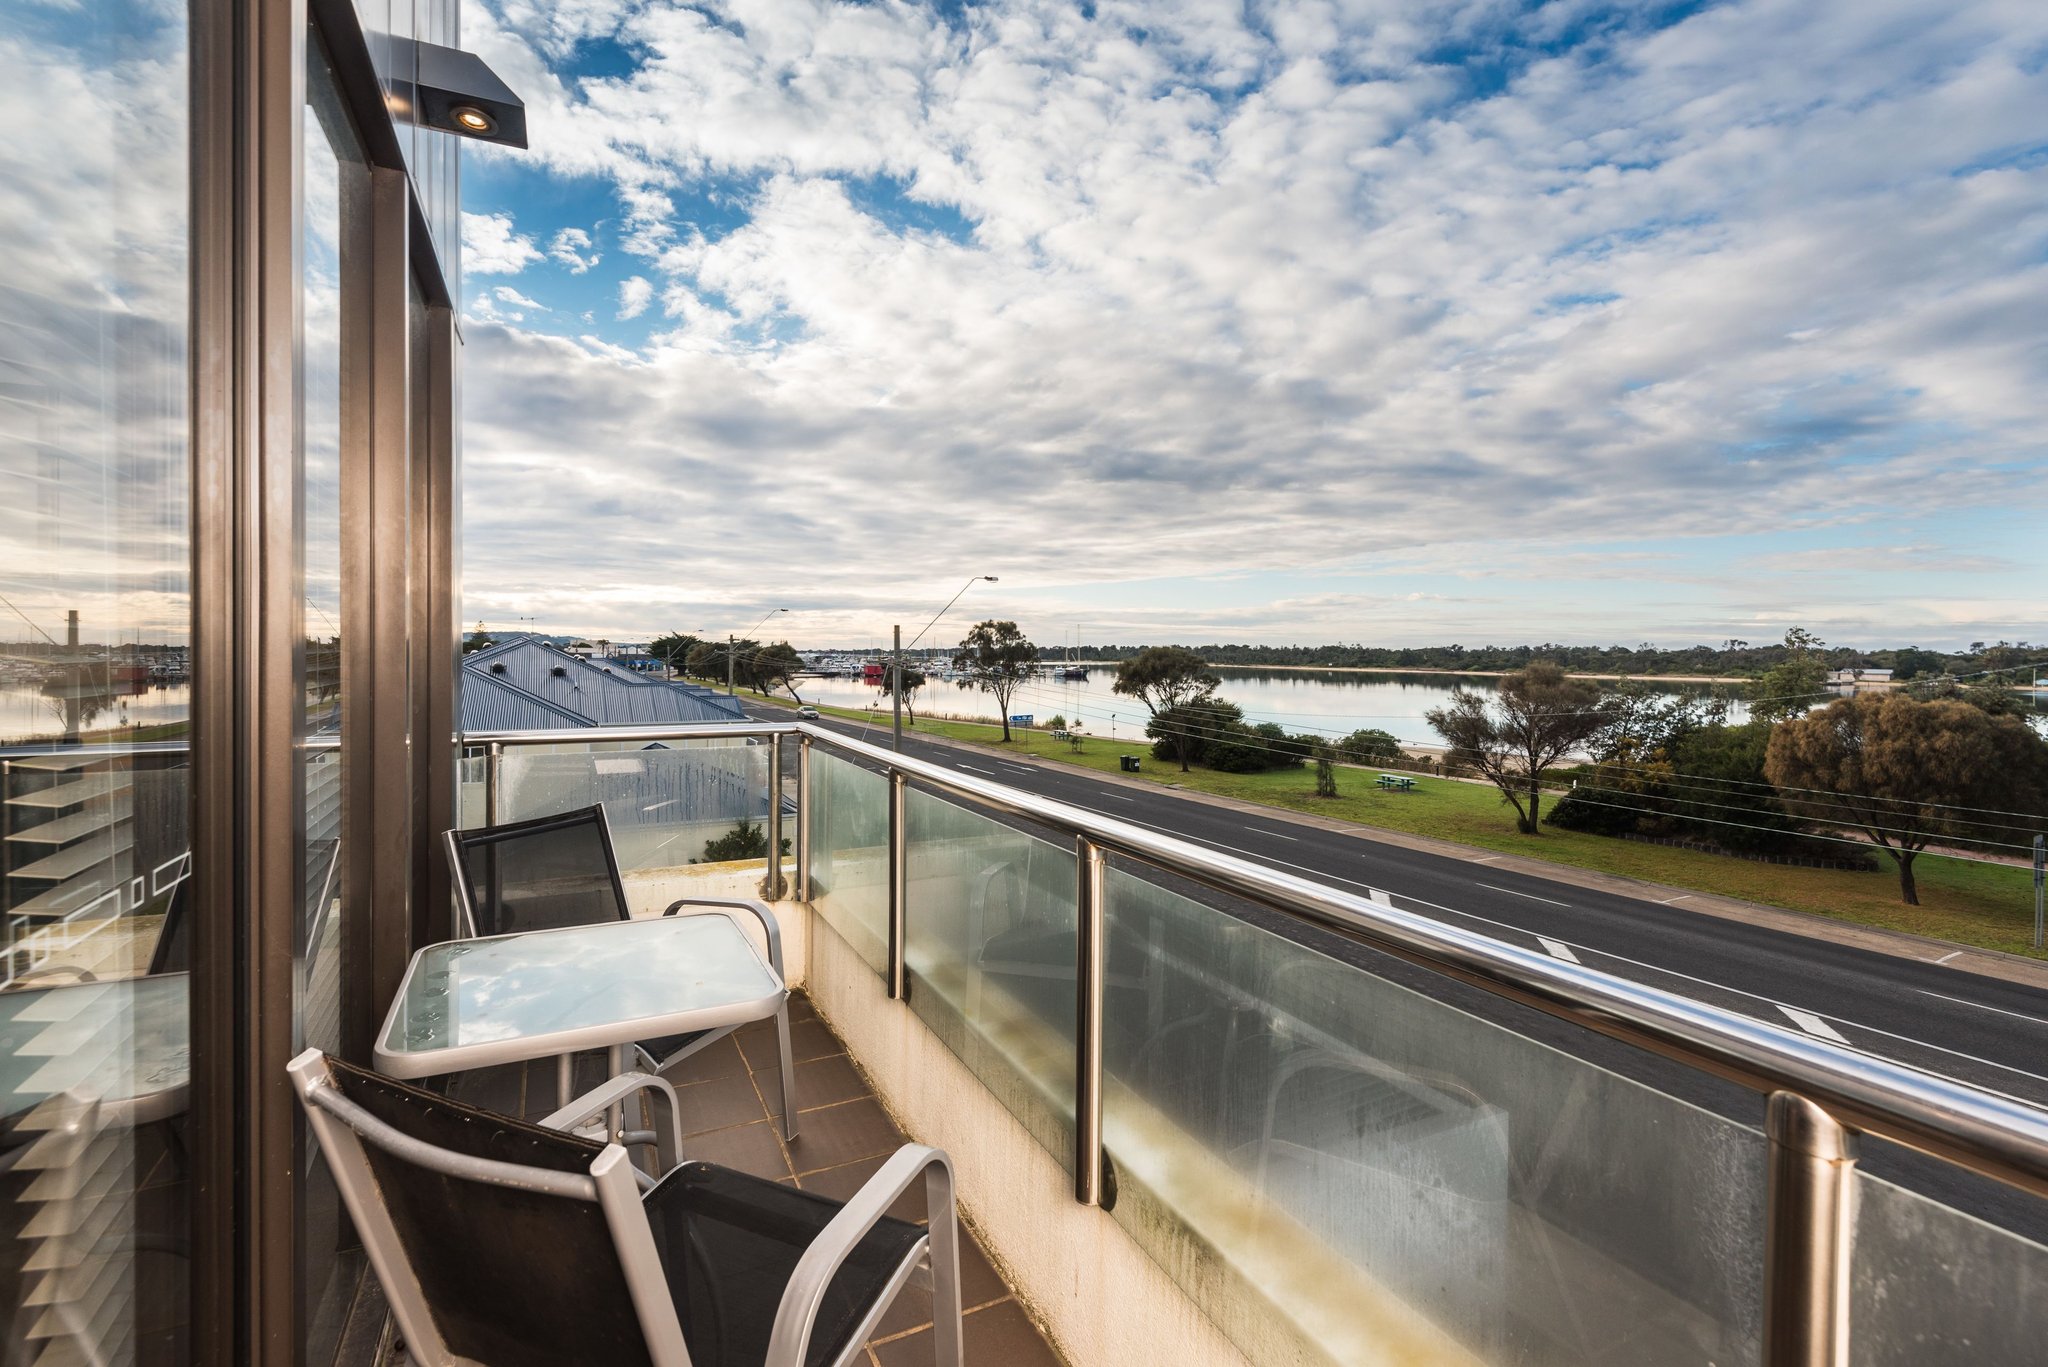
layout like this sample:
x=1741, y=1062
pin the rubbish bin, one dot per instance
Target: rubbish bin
x=1128, y=763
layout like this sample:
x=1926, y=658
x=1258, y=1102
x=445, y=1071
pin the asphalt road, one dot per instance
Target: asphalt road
x=1985, y=1032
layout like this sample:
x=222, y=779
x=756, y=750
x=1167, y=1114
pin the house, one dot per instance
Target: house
x=1859, y=674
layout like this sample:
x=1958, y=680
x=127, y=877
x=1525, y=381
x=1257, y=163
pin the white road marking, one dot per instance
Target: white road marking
x=1812, y=1024
x=1946, y=957
x=1020, y=768
x=1118, y=796
x=1530, y=895
x=1328, y=877
x=1557, y=949
x=990, y=772
x=1488, y=860
x=1261, y=830
x=1965, y=1001
x=1669, y=900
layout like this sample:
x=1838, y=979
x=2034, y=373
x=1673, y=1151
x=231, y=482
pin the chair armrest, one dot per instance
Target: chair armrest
x=769, y=925
x=789, y=1343
x=668, y=1143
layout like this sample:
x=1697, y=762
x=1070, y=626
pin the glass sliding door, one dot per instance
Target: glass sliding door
x=96, y=684
x=333, y=257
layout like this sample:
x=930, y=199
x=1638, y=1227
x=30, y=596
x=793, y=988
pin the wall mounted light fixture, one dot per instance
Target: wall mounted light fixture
x=455, y=92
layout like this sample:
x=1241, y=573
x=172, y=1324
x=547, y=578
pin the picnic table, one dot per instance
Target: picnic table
x=1399, y=782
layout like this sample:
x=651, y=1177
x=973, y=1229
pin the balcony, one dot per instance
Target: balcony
x=1203, y=1111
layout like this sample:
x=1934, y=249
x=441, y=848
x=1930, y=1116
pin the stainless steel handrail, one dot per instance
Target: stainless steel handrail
x=1819, y=1096
x=1988, y=1134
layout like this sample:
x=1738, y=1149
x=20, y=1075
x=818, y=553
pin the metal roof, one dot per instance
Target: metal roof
x=540, y=687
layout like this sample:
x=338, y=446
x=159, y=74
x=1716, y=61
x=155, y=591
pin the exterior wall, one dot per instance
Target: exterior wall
x=1100, y=1299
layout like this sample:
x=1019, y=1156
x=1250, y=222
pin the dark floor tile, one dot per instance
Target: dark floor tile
x=819, y=1082
x=713, y=1061
x=979, y=1286
x=1000, y=1336
x=719, y=1104
x=750, y=1148
x=842, y=1182
x=840, y=1134
x=807, y=1040
x=502, y=1089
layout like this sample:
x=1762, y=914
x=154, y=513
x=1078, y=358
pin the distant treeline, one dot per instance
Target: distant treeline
x=1732, y=659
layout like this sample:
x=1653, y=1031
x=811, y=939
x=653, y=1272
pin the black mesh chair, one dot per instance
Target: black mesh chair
x=557, y=871
x=523, y=1245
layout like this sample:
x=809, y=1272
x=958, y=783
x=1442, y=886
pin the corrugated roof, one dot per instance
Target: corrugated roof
x=540, y=687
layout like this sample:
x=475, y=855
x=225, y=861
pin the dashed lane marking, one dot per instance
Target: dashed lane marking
x=1812, y=1024
x=1530, y=895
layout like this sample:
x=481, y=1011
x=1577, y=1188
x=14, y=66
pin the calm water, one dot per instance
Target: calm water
x=1327, y=702
x=26, y=714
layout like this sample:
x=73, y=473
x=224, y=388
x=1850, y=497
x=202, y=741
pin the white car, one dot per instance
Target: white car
x=807, y=712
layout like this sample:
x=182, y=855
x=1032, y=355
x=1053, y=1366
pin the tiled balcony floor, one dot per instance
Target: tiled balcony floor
x=731, y=1096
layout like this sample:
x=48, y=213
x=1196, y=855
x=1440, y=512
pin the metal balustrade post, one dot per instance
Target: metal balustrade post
x=803, y=819
x=771, y=884
x=899, y=880
x=1809, y=1228
x=1090, y=972
x=492, y=764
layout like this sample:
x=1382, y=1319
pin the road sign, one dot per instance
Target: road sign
x=1021, y=719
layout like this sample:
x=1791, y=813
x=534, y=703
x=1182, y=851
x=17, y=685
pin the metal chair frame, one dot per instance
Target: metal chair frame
x=771, y=929
x=343, y=1128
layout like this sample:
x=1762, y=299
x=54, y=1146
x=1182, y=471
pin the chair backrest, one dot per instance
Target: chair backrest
x=542, y=874
x=496, y=1241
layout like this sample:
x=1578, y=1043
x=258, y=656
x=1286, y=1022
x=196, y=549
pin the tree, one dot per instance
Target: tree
x=1994, y=696
x=1907, y=772
x=772, y=667
x=912, y=679
x=1539, y=716
x=672, y=649
x=1795, y=683
x=1164, y=677
x=1367, y=744
x=1190, y=730
x=996, y=658
x=477, y=640
x=1326, y=772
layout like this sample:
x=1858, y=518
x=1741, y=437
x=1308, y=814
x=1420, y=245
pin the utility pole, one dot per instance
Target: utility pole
x=896, y=684
x=2040, y=876
x=731, y=657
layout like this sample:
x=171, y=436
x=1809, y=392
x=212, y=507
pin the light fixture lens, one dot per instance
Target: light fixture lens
x=474, y=120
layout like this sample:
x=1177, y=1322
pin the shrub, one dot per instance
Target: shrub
x=744, y=841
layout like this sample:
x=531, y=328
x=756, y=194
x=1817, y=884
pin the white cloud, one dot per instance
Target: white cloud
x=1269, y=292
x=635, y=294
x=571, y=247
x=491, y=246
x=505, y=294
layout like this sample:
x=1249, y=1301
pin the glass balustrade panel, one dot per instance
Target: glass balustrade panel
x=991, y=954
x=849, y=855
x=1399, y=1179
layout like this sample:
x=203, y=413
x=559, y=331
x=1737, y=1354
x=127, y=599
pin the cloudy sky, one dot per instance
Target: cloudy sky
x=1387, y=320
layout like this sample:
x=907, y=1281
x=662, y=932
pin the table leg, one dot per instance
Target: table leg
x=621, y=1059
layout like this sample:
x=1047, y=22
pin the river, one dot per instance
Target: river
x=1324, y=701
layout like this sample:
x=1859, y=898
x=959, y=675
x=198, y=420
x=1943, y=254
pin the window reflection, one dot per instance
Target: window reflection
x=95, y=685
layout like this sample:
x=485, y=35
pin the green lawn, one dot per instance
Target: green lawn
x=1987, y=905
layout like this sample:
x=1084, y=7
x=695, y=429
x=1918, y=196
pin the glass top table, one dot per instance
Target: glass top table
x=508, y=998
